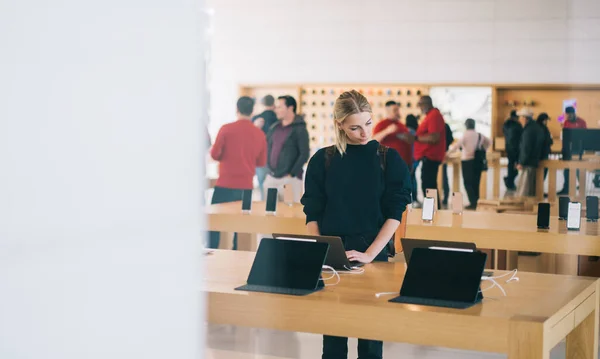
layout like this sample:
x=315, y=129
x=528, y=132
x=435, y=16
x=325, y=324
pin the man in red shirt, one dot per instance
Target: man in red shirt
x=572, y=121
x=430, y=144
x=240, y=148
x=392, y=133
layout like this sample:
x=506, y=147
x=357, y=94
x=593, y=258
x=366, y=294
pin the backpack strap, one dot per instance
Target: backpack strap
x=329, y=153
x=382, y=153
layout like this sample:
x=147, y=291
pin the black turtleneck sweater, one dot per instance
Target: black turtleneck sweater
x=354, y=196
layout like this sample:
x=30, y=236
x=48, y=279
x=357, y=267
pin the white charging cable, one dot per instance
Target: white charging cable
x=512, y=274
x=494, y=284
x=513, y=278
x=353, y=270
x=334, y=274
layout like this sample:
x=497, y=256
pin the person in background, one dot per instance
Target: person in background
x=287, y=148
x=264, y=121
x=412, y=123
x=530, y=152
x=391, y=132
x=471, y=166
x=512, y=130
x=542, y=120
x=430, y=144
x=240, y=147
x=572, y=121
x=446, y=185
x=349, y=194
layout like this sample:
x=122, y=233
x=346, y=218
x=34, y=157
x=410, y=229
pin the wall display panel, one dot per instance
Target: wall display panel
x=318, y=102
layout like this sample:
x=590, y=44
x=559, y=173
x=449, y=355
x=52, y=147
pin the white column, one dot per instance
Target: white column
x=100, y=175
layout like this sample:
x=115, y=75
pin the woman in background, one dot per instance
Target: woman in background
x=472, y=166
x=356, y=190
x=542, y=120
x=412, y=122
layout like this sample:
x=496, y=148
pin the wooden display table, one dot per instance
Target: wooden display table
x=512, y=232
x=537, y=313
x=455, y=162
x=228, y=217
x=515, y=232
x=588, y=164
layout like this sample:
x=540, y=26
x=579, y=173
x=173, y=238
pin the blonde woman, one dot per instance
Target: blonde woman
x=356, y=190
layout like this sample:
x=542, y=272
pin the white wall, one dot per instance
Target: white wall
x=400, y=41
x=100, y=154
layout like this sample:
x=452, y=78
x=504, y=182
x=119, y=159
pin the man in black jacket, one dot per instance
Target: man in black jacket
x=265, y=120
x=512, y=135
x=287, y=148
x=530, y=152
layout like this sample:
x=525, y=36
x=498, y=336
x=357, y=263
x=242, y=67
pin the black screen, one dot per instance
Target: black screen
x=575, y=141
x=591, y=208
x=445, y=275
x=563, y=207
x=271, y=199
x=543, y=217
x=287, y=263
x=247, y=200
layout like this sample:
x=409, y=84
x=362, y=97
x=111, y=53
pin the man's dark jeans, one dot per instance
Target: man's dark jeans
x=429, y=173
x=224, y=195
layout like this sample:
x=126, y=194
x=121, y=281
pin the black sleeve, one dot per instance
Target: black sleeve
x=315, y=198
x=303, y=151
x=398, y=187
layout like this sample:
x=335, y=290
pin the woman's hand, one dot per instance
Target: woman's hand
x=359, y=257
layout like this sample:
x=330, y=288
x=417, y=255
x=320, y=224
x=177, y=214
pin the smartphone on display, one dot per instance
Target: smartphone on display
x=457, y=202
x=271, y=200
x=246, y=200
x=428, y=204
x=591, y=208
x=543, y=216
x=563, y=207
x=574, y=216
x=432, y=192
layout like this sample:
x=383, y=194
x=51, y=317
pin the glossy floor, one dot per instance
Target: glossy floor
x=228, y=342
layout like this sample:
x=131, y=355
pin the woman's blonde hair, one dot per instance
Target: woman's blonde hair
x=349, y=103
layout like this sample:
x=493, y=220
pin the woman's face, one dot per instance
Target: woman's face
x=358, y=128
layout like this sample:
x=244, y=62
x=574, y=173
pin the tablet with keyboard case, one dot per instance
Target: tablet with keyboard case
x=287, y=267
